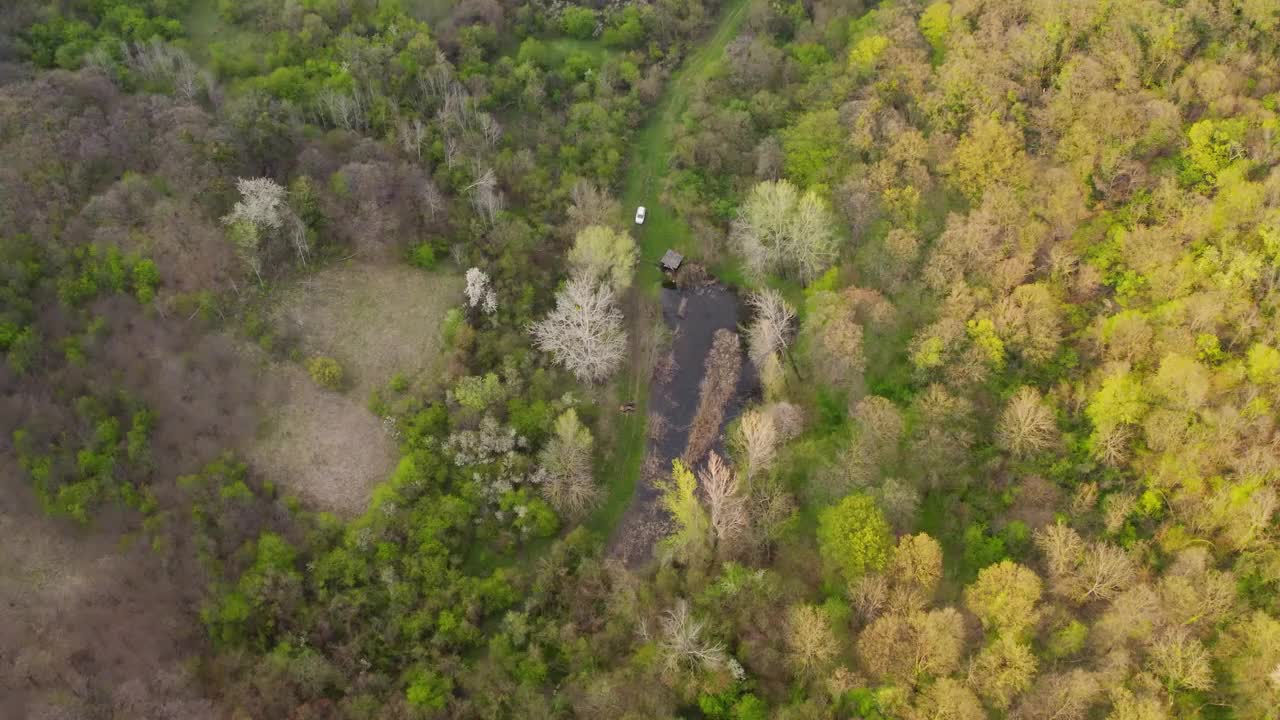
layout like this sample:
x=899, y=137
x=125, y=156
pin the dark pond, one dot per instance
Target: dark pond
x=693, y=316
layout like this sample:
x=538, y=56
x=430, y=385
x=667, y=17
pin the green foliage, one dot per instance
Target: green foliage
x=691, y=540
x=813, y=148
x=423, y=256
x=326, y=372
x=64, y=41
x=1121, y=400
x=427, y=689
x=1068, y=640
x=853, y=537
x=578, y=22
x=865, y=52
x=1264, y=364
x=935, y=25
x=476, y=392
x=145, y=280
x=1212, y=145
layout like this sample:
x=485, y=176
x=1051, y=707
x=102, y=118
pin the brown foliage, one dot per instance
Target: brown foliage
x=719, y=381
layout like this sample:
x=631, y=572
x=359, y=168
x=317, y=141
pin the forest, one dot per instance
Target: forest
x=339, y=379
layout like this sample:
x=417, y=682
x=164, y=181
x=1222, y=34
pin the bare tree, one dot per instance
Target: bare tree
x=479, y=291
x=725, y=502
x=591, y=206
x=411, y=134
x=486, y=198
x=1026, y=425
x=811, y=643
x=584, y=333
x=757, y=440
x=431, y=198
x=1083, y=571
x=771, y=329
x=682, y=642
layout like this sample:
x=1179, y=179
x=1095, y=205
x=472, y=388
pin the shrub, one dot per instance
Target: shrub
x=326, y=372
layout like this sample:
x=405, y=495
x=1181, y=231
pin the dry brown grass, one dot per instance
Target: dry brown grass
x=375, y=319
x=325, y=447
x=719, y=380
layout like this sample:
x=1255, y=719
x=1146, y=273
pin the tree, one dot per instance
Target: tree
x=947, y=699
x=811, y=643
x=916, y=567
x=591, y=206
x=771, y=327
x=1125, y=705
x=757, y=441
x=1253, y=664
x=1083, y=571
x=854, y=537
x=566, y=458
x=690, y=540
x=1004, y=597
x=682, y=642
x=726, y=503
x=1181, y=660
x=780, y=230
x=1061, y=696
x=480, y=292
x=1027, y=425
x=991, y=152
x=1002, y=670
x=604, y=255
x=261, y=216
x=904, y=648
x=584, y=333
x=834, y=339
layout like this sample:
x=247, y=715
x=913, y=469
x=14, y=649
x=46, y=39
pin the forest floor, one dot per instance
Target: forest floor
x=663, y=228
x=378, y=321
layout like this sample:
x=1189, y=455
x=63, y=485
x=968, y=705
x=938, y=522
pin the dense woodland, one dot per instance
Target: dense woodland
x=1010, y=272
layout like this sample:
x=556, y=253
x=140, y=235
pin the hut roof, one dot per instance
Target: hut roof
x=671, y=261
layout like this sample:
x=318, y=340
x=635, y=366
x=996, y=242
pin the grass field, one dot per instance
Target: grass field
x=663, y=228
x=377, y=321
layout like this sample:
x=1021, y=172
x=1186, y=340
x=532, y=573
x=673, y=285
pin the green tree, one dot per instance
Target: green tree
x=1004, y=597
x=812, y=148
x=935, y=25
x=690, y=541
x=854, y=537
x=603, y=254
x=578, y=22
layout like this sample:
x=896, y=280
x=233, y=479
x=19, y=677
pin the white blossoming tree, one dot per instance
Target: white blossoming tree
x=480, y=292
x=584, y=333
x=260, y=216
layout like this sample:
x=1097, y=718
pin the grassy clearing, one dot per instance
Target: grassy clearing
x=646, y=171
x=377, y=321
x=324, y=447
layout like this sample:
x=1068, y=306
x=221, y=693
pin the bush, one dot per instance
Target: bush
x=423, y=256
x=326, y=372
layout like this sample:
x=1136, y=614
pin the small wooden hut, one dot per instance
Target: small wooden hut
x=671, y=261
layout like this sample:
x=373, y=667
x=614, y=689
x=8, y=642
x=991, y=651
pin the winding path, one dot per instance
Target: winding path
x=663, y=228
